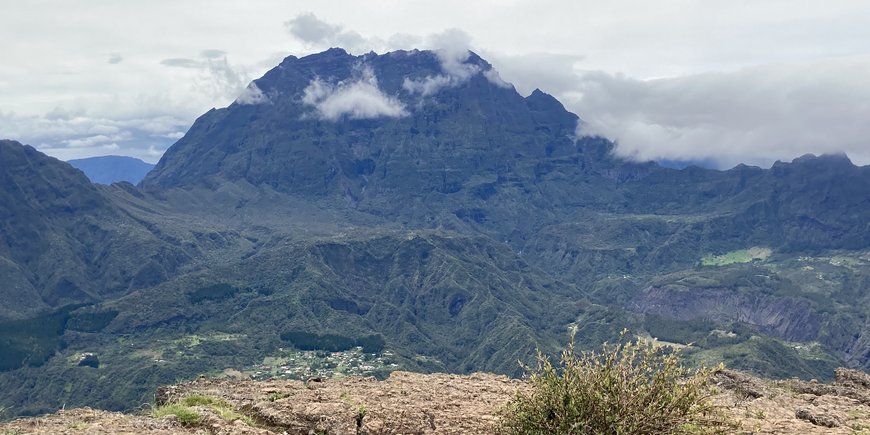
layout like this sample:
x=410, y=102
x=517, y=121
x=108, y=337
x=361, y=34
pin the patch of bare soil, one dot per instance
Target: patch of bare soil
x=797, y=407
x=411, y=403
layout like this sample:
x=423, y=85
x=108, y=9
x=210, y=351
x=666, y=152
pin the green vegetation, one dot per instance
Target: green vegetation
x=186, y=410
x=276, y=395
x=91, y=321
x=775, y=358
x=302, y=365
x=676, y=331
x=332, y=342
x=31, y=342
x=214, y=292
x=90, y=360
x=740, y=256
x=185, y=415
x=625, y=388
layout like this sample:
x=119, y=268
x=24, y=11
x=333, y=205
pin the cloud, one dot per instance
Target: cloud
x=495, y=78
x=174, y=135
x=314, y=32
x=357, y=98
x=452, y=47
x=100, y=139
x=429, y=85
x=252, y=95
x=220, y=79
x=181, y=62
x=76, y=133
x=215, y=76
x=554, y=73
x=754, y=115
x=403, y=41
x=212, y=53
x=453, y=50
x=115, y=58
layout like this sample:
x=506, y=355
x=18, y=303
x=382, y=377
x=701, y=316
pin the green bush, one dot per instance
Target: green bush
x=185, y=415
x=625, y=388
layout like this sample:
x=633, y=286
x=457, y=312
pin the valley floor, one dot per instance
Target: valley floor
x=437, y=404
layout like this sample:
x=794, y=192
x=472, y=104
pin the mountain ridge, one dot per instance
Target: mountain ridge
x=112, y=169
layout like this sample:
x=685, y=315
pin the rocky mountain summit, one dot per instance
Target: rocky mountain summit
x=437, y=404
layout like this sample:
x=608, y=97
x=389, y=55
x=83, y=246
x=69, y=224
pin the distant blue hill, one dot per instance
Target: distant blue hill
x=112, y=169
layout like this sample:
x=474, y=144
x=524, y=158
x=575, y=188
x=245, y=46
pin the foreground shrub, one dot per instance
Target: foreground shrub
x=625, y=388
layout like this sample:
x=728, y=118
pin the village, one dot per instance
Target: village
x=306, y=364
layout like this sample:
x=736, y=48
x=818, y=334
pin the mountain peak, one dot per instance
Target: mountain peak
x=339, y=123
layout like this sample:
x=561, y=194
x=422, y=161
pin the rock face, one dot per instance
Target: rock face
x=438, y=404
x=470, y=128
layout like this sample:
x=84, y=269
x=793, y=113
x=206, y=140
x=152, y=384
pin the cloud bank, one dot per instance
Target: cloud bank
x=734, y=81
x=754, y=115
x=358, y=98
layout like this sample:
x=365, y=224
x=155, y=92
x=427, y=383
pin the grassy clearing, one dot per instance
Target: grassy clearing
x=188, y=410
x=739, y=256
x=185, y=415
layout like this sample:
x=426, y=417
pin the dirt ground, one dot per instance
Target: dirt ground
x=412, y=403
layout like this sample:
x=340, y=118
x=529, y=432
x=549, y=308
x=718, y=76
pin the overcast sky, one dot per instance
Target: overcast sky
x=723, y=81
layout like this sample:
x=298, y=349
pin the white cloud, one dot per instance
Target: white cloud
x=682, y=40
x=429, y=85
x=174, y=135
x=86, y=135
x=553, y=73
x=356, y=98
x=452, y=49
x=314, y=32
x=212, y=53
x=181, y=62
x=403, y=41
x=495, y=78
x=754, y=115
x=100, y=139
x=252, y=95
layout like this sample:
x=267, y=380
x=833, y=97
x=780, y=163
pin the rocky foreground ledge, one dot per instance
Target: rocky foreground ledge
x=412, y=403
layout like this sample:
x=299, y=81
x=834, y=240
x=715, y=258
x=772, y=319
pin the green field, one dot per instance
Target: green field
x=739, y=256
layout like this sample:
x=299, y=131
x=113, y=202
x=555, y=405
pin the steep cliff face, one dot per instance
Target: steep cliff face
x=789, y=318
